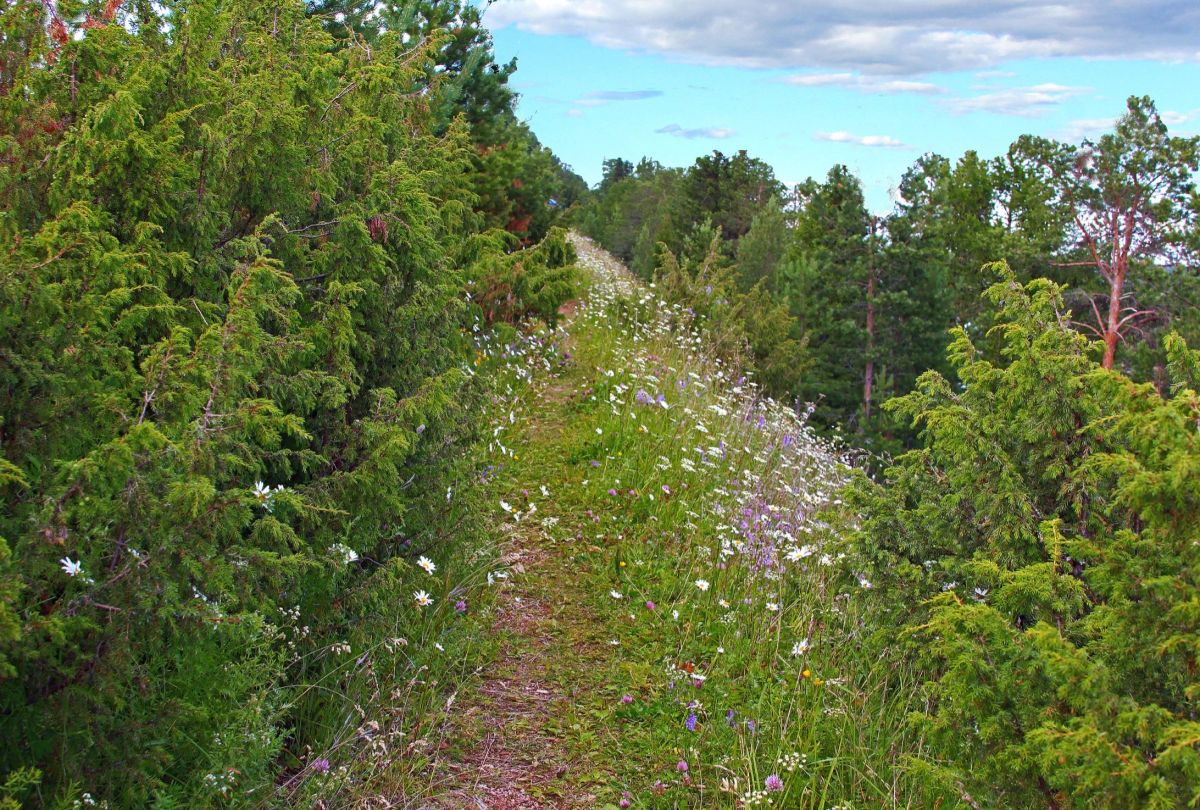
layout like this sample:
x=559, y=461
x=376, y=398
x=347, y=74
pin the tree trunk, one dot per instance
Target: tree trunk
x=1111, y=328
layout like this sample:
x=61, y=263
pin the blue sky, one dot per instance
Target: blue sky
x=869, y=84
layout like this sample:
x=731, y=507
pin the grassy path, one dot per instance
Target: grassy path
x=674, y=628
x=520, y=747
x=527, y=734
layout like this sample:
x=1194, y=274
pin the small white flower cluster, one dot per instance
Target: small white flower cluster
x=793, y=761
x=87, y=800
x=221, y=782
x=265, y=495
x=74, y=568
x=752, y=798
x=344, y=553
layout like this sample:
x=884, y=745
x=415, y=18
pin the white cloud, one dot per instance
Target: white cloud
x=715, y=133
x=1023, y=101
x=901, y=38
x=865, y=84
x=1082, y=128
x=1173, y=118
x=994, y=74
x=885, y=141
x=598, y=98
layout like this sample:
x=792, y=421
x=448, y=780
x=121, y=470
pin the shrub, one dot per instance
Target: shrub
x=530, y=283
x=235, y=358
x=1048, y=531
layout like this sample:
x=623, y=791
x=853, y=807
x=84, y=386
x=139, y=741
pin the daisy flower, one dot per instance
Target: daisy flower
x=427, y=564
x=422, y=599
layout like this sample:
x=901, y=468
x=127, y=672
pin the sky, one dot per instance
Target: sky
x=870, y=84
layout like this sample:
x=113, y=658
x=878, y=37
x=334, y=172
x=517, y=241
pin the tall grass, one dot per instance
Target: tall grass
x=744, y=668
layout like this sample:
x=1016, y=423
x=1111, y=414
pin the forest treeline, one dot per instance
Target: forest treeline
x=242, y=246
x=845, y=309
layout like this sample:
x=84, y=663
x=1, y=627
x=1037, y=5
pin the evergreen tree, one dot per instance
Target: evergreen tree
x=1047, y=531
x=764, y=245
x=833, y=249
x=727, y=190
x=236, y=353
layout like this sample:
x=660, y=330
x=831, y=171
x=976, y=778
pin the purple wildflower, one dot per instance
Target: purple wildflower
x=627, y=699
x=321, y=765
x=650, y=605
x=460, y=606
x=682, y=766
x=612, y=492
x=691, y=721
x=774, y=783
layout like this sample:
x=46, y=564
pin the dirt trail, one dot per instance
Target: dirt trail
x=516, y=717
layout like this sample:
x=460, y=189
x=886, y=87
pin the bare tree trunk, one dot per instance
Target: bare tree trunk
x=1112, y=326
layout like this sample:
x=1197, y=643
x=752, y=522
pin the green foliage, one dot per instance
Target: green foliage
x=630, y=213
x=764, y=245
x=515, y=177
x=530, y=283
x=739, y=327
x=1048, y=528
x=236, y=359
x=729, y=191
x=1130, y=199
